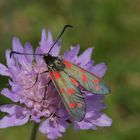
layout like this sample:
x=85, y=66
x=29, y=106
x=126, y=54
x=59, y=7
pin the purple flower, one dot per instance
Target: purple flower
x=34, y=100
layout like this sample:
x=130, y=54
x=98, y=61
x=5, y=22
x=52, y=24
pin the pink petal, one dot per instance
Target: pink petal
x=13, y=96
x=70, y=55
x=43, y=36
x=46, y=42
x=38, y=58
x=103, y=121
x=99, y=69
x=85, y=57
x=56, y=49
x=28, y=49
x=12, y=120
x=8, y=108
x=83, y=125
x=17, y=46
x=10, y=61
x=17, y=116
x=4, y=70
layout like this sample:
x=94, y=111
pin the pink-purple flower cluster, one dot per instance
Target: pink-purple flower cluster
x=40, y=102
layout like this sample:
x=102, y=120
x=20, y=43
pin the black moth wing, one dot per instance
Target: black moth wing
x=87, y=80
x=69, y=93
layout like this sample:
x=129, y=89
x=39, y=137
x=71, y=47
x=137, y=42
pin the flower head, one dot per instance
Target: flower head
x=37, y=101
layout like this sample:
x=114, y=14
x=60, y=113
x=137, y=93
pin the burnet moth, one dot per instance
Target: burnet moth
x=70, y=80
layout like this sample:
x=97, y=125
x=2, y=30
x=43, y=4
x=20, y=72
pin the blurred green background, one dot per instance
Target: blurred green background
x=111, y=26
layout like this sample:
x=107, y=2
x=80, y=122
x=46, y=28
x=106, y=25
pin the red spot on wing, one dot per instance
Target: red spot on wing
x=79, y=105
x=71, y=91
x=84, y=78
x=62, y=90
x=96, y=81
x=67, y=64
x=56, y=74
x=51, y=75
x=72, y=105
x=97, y=88
x=74, y=82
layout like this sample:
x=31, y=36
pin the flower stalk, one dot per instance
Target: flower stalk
x=34, y=131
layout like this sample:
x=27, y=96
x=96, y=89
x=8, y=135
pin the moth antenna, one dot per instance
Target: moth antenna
x=14, y=52
x=63, y=30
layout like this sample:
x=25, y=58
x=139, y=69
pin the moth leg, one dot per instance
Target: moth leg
x=37, y=79
x=49, y=82
x=34, y=82
x=44, y=72
x=46, y=89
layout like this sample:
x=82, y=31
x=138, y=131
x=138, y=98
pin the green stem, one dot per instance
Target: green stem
x=34, y=131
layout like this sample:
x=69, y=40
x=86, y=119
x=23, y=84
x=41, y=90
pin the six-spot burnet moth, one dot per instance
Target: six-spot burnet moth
x=70, y=80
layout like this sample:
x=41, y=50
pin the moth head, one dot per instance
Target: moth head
x=47, y=58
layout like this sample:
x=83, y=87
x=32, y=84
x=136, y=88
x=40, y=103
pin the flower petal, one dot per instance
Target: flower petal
x=85, y=57
x=62, y=125
x=38, y=58
x=46, y=42
x=28, y=49
x=17, y=46
x=8, y=108
x=15, y=88
x=13, y=109
x=44, y=126
x=56, y=48
x=53, y=129
x=10, y=60
x=94, y=105
x=83, y=125
x=89, y=66
x=13, y=96
x=4, y=70
x=17, y=116
x=54, y=135
x=99, y=69
x=102, y=121
x=43, y=37
x=94, y=100
x=11, y=120
x=70, y=55
x=50, y=38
